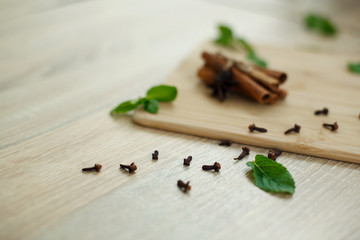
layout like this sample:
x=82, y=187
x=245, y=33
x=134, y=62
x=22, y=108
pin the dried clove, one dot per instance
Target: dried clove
x=187, y=161
x=273, y=154
x=155, y=155
x=96, y=167
x=323, y=111
x=296, y=128
x=245, y=152
x=331, y=127
x=216, y=167
x=183, y=186
x=131, y=168
x=223, y=82
x=227, y=143
x=253, y=128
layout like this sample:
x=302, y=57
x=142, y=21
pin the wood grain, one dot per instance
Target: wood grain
x=65, y=64
x=315, y=81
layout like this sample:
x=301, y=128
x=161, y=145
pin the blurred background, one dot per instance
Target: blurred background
x=64, y=64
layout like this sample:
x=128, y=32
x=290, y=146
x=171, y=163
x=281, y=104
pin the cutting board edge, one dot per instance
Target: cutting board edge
x=142, y=118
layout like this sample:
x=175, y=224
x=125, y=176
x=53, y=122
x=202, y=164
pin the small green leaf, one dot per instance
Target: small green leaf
x=246, y=45
x=162, y=93
x=271, y=176
x=320, y=24
x=151, y=106
x=225, y=36
x=256, y=60
x=354, y=67
x=125, y=107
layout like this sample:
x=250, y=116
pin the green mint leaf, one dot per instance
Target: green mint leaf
x=225, y=36
x=354, y=67
x=271, y=176
x=151, y=106
x=246, y=46
x=162, y=93
x=256, y=60
x=125, y=107
x=320, y=24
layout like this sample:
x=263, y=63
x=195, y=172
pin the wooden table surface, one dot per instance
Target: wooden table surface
x=66, y=63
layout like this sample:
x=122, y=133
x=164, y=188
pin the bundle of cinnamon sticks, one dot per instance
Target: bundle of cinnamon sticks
x=224, y=75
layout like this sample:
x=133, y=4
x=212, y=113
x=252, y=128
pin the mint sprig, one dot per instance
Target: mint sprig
x=161, y=93
x=354, y=67
x=320, y=24
x=271, y=176
x=227, y=38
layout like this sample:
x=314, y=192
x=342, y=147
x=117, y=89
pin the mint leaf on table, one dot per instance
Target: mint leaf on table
x=162, y=93
x=125, y=107
x=227, y=39
x=151, y=106
x=154, y=95
x=320, y=24
x=354, y=67
x=271, y=176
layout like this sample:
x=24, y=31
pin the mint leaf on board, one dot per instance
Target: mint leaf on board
x=246, y=45
x=256, y=60
x=226, y=38
x=271, y=176
x=354, y=67
x=151, y=106
x=162, y=93
x=320, y=24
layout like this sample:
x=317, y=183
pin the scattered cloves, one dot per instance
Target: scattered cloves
x=273, y=154
x=253, y=128
x=183, y=186
x=296, y=128
x=155, y=155
x=324, y=111
x=216, y=167
x=245, y=152
x=131, y=168
x=96, y=167
x=187, y=161
x=331, y=127
x=225, y=143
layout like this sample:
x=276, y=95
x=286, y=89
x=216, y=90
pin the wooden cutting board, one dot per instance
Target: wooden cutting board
x=315, y=81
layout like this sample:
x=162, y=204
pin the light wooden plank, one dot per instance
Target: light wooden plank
x=314, y=81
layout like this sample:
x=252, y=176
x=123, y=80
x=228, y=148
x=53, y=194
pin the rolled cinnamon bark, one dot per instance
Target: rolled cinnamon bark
x=257, y=83
x=207, y=75
x=281, y=76
x=267, y=81
x=216, y=62
x=245, y=87
x=282, y=94
x=245, y=83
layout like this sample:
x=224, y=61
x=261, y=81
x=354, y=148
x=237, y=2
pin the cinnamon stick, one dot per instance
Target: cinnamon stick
x=207, y=74
x=255, y=82
x=281, y=76
x=267, y=81
x=246, y=86
x=217, y=62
